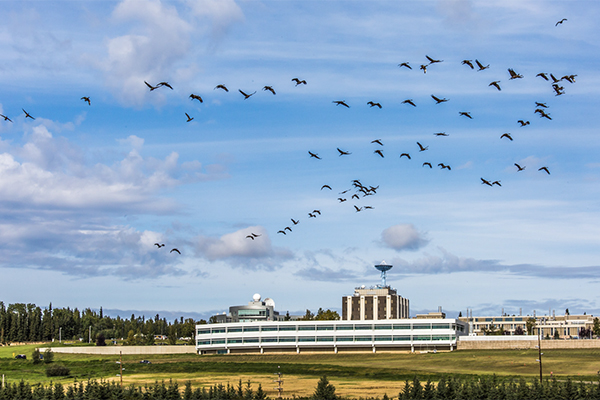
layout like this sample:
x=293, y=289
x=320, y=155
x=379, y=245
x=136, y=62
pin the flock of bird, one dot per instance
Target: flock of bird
x=359, y=189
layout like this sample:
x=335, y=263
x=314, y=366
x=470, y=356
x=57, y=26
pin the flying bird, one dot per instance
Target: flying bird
x=164, y=84
x=282, y=232
x=317, y=212
x=421, y=148
x=373, y=104
x=542, y=75
x=495, y=84
x=379, y=152
x=444, y=166
x=544, y=169
x=150, y=86
x=343, y=153
x=405, y=154
x=523, y=123
x=560, y=22
x=480, y=66
x=513, y=74
x=341, y=200
x=433, y=61
x=27, y=115
x=506, y=135
x=325, y=187
x=299, y=82
x=269, y=88
x=196, y=97
x=404, y=64
x=468, y=62
x=246, y=96
x=378, y=141
x=409, y=101
x=188, y=117
x=519, y=168
x=295, y=222
x=441, y=134
x=424, y=68
x=438, y=100
x=287, y=228
x=159, y=245
x=250, y=237
x=310, y=215
x=340, y=103
x=465, y=114
x=221, y=87
x=175, y=250
x=428, y=164
x=314, y=155
x=358, y=209
x=496, y=183
x=5, y=118
x=485, y=182
x=544, y=105
x=87, y=100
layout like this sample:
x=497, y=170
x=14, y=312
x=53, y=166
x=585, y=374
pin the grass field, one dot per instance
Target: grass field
x=357, y=374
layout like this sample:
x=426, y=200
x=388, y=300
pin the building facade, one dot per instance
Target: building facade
x=375, y=303
x=256, y=310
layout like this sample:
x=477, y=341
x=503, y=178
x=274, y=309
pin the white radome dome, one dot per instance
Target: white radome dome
x=269, y=302
x=256, y=297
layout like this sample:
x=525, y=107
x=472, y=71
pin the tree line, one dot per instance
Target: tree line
x=21, y=322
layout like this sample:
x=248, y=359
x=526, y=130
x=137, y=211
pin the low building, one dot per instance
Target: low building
x=330, y=336
x=256, y=310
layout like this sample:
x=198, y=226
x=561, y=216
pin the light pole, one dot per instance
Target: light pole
x=540, y=354
x=60, y=334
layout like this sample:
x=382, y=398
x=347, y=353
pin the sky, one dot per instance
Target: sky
x=86, y=190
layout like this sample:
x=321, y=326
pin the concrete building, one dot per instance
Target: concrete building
x=374, y=303
x=256, y=310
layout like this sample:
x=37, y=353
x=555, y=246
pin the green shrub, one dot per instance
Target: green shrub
x=48, y=356
x=57, y=370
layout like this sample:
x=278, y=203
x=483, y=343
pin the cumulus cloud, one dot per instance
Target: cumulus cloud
x=242, y=251
x=403, y=237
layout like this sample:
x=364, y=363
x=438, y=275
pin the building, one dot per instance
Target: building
x=374, y=303
x=422, y=335
x=256, y=310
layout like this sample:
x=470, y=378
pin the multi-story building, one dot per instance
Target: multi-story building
x=374, y=303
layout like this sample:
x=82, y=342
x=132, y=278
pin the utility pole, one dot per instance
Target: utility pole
x=539, y=346
x=279, y=382
x=120, y=362
x=90, y=335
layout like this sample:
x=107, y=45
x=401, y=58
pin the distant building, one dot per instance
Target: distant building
x=256, y=310
x=565, y=326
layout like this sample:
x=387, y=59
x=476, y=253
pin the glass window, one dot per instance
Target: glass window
x=251, y=329
x=269, y=340
x=383, y=338
x=403, y=326
x=287, y=339
x=383, y=327
x=324, y=327
x=344, y=327
x=363, y=327
x=218, y=330
x=306, y=327
x=344, y=339
x=204, y=331
x=251, y=340
x=440, y=326
x=201, y=342
x=422, y=337
x=269, y=329
x=440, y=337
x=234, y=330
x=283, y=328
x=218, y=341
x=306, y=338
x=421, y=326
x=401, y=338
x=363, y=338
x=234, y=340
x=325, y=339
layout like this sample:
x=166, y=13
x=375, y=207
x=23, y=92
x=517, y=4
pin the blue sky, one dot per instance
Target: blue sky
x=86, y=190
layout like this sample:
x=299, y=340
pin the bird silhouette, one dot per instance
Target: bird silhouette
x=423, y=68
x=159, y=245
x=223, y=87
x=150, y=86
x=560, y=22
x=282, y=232
x=188, y=117
x=5, y=118
x=175, y=250
x=405, y=154
x=270, y=89
x=310, y=215
x=441, y=134
x=314, y=155
x=409, y=101
x=421, y=148
x=246, y=95
x=299, y=82
x=468, y=62
x=428, y=164
x=378, y=141
x=164, y=84
x=325, y=187
x=405, y=64
x=506, y=135
x=519, y=168
x=480, y=66
x=27, y=115
x=433, y=61
x=485, y=182
x=542, y=75
x=438, y=100
x=544, y=169
x=249, y=237
x=287, y=228
x=538, y=104
x=317, y=212
x=340, y=103
x=554, y=79
x=87, y=100
x=496, y=183
x=295, y=222
x=495, y=84
x=343, y=153
x=523, y=123
x=341, y=200
x=373, y=104
x=513, y=74
x=379, y=152
x=196, y=97
x=465, y=114
x=442, y=165
x=358, y=209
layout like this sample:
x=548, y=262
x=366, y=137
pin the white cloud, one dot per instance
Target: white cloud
x=403, y=237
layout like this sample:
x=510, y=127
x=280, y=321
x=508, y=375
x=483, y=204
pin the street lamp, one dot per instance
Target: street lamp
x=60, y=334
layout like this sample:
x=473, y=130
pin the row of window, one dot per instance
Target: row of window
x=325, y=339
x=300, y=328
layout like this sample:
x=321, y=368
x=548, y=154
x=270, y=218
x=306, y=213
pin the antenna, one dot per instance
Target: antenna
x=383, y=267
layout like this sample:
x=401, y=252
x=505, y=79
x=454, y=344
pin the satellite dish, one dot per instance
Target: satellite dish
x=383, y=267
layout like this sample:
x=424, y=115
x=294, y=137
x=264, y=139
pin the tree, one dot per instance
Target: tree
x=324, y=390
x=100, y=339
x=48, y=356
x=519, y=330
x=327, y=315
x=36, y=356
x=460, y=314
x=556, y=334
x=309, y=316
x=529, y=325
x=596, y=328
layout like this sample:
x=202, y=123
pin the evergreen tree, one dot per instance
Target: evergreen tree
x=260, y=394
x=324, y=390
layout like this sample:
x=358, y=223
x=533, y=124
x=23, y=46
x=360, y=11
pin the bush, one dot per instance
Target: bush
x=48, y=356
x=57, y=370
x=36, y=356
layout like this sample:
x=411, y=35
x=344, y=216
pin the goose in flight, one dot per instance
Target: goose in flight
x=150, y=86
x=340, y=103
x=485, y=182
x=314, y=155
x=358, y=209
x=223, y=87
x=87, y=100
x=542, y=75
x=246, y=95
x=421, y=148
x=196, y=97
x=405, y=64
x=513, y=74
x=159, y=245
x=253, y=235
x=299, y=82
x=544, y=169
x=433, y=61
x=441, y=134
x=341, y=200
x=560, y=22
x=424, y=68
x=373, y=104
x=343, y=153
x=496, y=183
x=480, y=66
x=538, y=104
x=379, y=152
x=188, y=117
x=164, y=84
x=523, y=123
x=175, y=250
x=409, y=101
x=378, y=141
x=325, y=187
x=519, y=168
x=269, y=88
x=405, y=154
x=495, y=84
x=282, y=232
x=5, y=118
x=506, y=135
x=444, y=166
x=27, y=115
x=295, y=222
x=287, y=228
x=438, y=100
x=428, y=164
x=465, y=114
x=468, y=62
x=317, y=212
